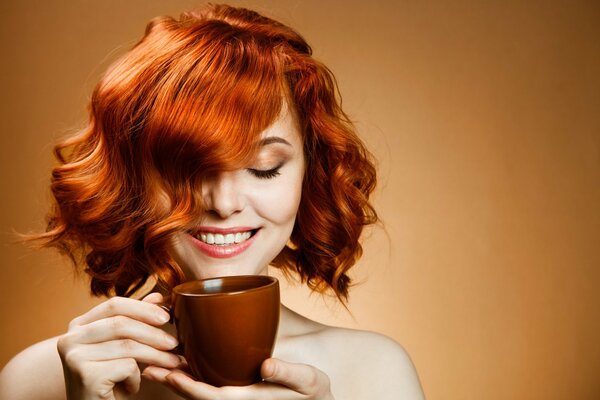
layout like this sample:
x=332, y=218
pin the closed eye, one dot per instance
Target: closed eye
x=266, y=174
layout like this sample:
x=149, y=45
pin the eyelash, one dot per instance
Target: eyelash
x=268, y=174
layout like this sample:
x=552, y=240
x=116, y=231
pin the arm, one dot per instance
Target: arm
x=98, y=357
x=35, y=373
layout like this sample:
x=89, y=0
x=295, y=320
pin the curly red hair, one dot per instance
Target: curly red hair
x=188, y=100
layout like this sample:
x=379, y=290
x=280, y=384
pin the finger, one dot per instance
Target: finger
x=156, y=374
x=132, y=380
x=154, y=297
x=161, y=301
x=301, y=378
x=125, y=348
x=136, y=309
x=186, y=386
x=121, y=327
x=105, y=375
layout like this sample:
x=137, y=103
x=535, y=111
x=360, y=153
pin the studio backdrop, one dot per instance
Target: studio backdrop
x=484, y=118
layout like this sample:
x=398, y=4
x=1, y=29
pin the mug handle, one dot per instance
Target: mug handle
x=166, y=305
x=168, y=310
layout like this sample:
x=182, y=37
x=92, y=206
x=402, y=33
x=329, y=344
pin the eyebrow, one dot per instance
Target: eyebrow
x=274, y=139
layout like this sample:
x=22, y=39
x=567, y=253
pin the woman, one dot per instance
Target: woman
x=216, y=146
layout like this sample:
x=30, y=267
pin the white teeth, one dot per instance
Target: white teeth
x=210, y=238
x=223, y=240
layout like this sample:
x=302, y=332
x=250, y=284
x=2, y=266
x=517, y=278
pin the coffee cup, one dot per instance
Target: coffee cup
x=227, y=326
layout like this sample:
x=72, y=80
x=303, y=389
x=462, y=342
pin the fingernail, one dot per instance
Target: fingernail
x=176, y=361
x=171, y=341
x=162, y=317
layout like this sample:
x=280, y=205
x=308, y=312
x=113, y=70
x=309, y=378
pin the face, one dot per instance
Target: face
x=249, y=213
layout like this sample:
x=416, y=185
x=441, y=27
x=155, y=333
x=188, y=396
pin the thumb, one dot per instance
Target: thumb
x=302, y=378
x=268, y=368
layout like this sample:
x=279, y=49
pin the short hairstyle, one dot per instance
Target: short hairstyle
x=188, y=100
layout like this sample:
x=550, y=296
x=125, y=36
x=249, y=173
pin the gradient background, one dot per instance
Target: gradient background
x=485, y=119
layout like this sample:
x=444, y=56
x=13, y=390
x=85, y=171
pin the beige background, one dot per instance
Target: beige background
x=484, y=117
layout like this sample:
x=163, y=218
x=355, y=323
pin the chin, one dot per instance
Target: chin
x=219, y=269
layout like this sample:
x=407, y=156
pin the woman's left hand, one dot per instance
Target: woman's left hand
x=282, y=381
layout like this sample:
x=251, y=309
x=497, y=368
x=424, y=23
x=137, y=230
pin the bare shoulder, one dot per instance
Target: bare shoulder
x=374, y=365
x=360, y=364
x=35, y=373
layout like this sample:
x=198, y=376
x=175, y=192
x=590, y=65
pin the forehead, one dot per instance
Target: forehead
x=285, y=127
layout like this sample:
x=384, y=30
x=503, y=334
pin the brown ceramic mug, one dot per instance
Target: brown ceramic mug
x=227, y=326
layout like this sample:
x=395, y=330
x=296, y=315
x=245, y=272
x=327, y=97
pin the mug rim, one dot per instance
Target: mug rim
x=182, y=289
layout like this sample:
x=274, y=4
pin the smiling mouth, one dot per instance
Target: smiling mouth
x=219, y=239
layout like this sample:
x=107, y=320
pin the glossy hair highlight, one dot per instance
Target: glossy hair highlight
x=191, y=99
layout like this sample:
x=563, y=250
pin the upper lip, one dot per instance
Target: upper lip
x=223, y=231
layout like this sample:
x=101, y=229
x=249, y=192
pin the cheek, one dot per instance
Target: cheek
x=180, y=252
x=279, y=203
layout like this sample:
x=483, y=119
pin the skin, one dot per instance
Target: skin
x=121, y=348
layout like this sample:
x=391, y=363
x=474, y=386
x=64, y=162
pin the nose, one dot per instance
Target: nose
x=222, y=194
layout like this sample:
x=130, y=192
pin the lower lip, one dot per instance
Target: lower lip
x=223, y=251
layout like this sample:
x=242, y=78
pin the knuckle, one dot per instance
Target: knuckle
x=131, y=366
x=313, y=380
x=127, y=345
x=74, y=323
x=316, y=382
x=322, y=382
x=277, y=371
x=64, y=344
x=112, y=305
x=117, y=324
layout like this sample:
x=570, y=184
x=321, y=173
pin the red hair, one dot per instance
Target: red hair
x=191, y=99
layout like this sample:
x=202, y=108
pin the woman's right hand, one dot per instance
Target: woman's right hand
x=103, y=348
